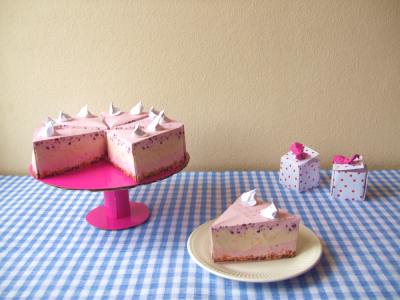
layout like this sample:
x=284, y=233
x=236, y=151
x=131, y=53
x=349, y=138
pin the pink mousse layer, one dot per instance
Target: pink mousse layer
x=78, y=122
x=69, y=148
x=122, y=118
x=144, y=155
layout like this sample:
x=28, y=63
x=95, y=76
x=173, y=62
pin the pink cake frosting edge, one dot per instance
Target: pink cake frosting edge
x=239, y=214
x=121, y=119
x=85, y=123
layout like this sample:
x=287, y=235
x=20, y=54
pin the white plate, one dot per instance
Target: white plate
x=309, y=251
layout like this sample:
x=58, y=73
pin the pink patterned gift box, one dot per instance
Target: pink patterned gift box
x=349, y=180
x=301, y=173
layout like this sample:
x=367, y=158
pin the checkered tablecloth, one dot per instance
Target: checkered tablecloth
x=47, y=250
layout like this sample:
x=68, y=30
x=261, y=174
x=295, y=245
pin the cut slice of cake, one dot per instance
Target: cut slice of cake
x=154, y=145
x=115, y=117
x=251, y=229
x=57, y=149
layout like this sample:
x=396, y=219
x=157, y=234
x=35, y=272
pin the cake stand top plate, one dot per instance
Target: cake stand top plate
x=102, y=176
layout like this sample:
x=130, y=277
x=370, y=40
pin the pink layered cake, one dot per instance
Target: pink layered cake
x=251, y=229
x=148, y=144
x=57, y=149
x=153, y=145
x=115, y=117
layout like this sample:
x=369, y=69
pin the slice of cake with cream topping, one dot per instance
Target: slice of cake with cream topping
x=251, y=229
x=152, y=146
x=57, y=149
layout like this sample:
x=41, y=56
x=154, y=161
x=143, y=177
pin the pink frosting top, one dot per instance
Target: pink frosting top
x=62, y=132
x=126, y=132
x=239, y=214
x=91, y=122
x=122, y=118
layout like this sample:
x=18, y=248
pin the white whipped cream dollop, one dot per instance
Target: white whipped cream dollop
x=270, y=212
x=164, y=118
x=113, y=111
x=47, y=130
x=138, y=131
x=137, y=109
x=49, y=120
x=85, y=113
x=155, y=124
x=153, y=113
x=63, y=117
x=249, y=198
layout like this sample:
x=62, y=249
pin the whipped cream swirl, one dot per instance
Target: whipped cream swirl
x=249, y=198
x=137, y=109
x=49, y=120
x=270, y=212
x=85, y=113
x=164, y=118
x=155, y=124
x=113, y=111
x=63, y=117
x=47, y=130
x=153, y=113
x=138, y=131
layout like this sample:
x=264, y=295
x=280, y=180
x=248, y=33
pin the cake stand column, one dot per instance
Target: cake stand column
x=118, y=212
x=116, y=204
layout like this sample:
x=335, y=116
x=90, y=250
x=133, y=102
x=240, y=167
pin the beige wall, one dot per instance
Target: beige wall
x=246, y=77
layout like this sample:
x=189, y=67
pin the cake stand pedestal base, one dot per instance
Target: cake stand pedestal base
x=118, y=212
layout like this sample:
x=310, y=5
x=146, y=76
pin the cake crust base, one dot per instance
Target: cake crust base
x=287, y=254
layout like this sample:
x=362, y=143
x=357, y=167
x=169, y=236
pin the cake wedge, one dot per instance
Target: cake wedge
x=57, y=149
x=152, y=146
x=251, y=229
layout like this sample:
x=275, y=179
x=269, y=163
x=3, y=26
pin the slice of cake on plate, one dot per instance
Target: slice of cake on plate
x=115, y=117
x=84, y=119
x=154, y=145
x=57, y=149
x=251, y=229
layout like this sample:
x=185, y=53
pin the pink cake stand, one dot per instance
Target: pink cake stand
x=118, y=212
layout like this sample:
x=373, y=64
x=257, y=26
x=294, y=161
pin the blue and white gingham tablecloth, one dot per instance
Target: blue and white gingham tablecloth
x=47, y=250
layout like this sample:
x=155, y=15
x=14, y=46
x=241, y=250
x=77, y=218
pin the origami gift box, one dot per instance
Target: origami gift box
x=299, y=168
x=349, y=178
